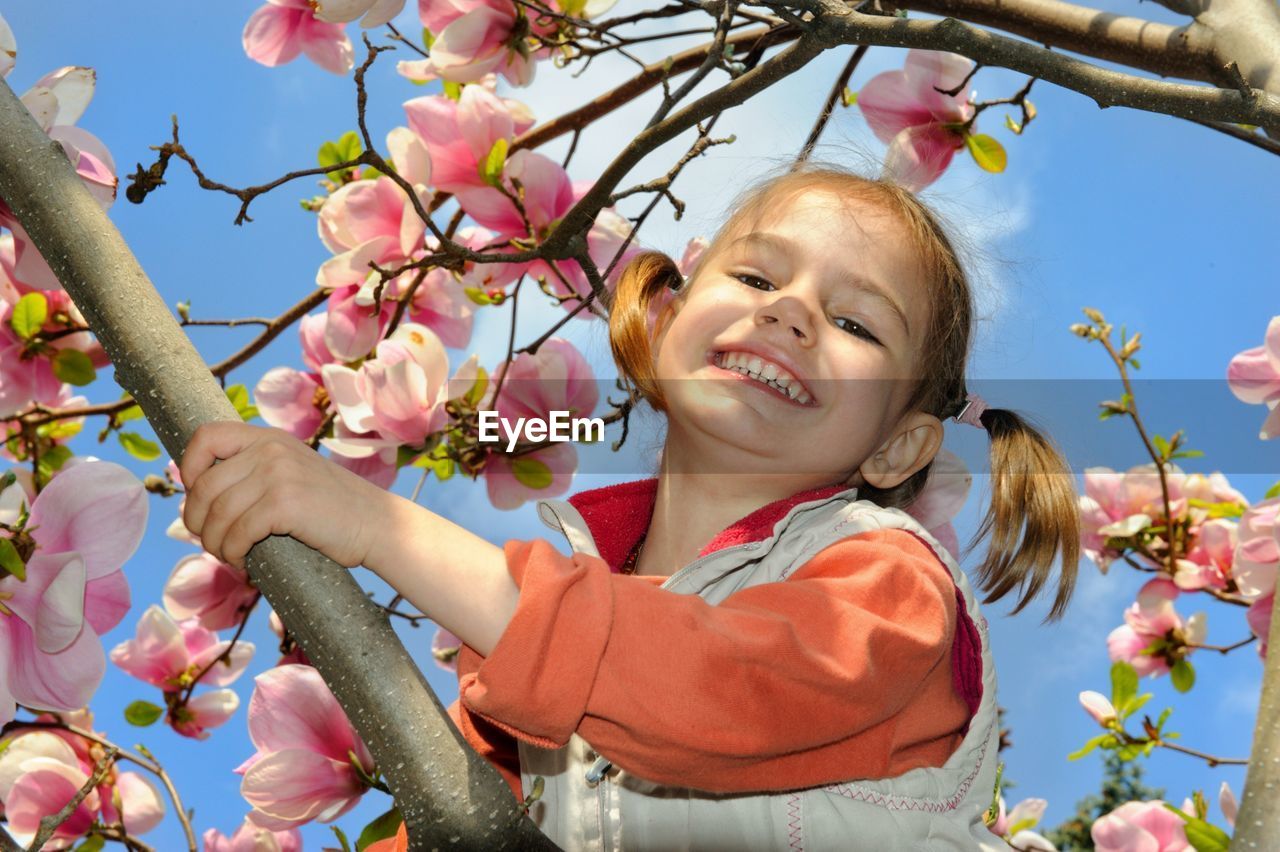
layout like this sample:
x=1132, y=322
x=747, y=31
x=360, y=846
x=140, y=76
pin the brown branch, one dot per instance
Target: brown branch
x=225, y=656
x=837, y=89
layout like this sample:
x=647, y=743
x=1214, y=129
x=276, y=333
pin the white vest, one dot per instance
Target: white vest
x=588, y=804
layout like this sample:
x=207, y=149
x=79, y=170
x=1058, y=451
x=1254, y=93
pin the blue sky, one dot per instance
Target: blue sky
x=1163, y=225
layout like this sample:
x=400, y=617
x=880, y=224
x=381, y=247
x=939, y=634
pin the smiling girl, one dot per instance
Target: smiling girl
x=757, y=648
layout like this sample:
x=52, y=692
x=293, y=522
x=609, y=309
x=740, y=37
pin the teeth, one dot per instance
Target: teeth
x=769, y=374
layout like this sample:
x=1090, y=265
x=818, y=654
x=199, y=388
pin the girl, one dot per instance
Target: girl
x=758, y=648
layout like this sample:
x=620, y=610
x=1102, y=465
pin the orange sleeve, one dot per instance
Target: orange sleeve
x=780, y=686
x=490, y=741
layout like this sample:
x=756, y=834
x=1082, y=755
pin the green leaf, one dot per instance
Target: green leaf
x=848, y=97
x=1183, y=675
x=1162, y=446
x=143, y=713
x=427, y=38
x=1164, y=717
x=477, y=390
x=380, y=829
x=342, y=838
x=29, y=315
x=238, y=395
x=491, y=165
x=531, y=473
x=1203, y=836
x=1088, y=747
x=1012, y=125
x=332, y=153
x=92, y=843
x=1273, y=491
x=1124, y=683
x=139, y=447
x=11, y=561
x=475, y=294
x=133, y=412
x=52, y=460
x=1133, y=362
x=74, y=367
x=987, y=152
x=452, y=90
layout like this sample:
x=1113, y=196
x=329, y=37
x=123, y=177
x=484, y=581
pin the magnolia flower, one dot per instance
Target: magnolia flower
x=56, y=101
x=212, y=592
x=1227, y=801
x=1150, y=619
x=1254, y=377
x=251, y=838
x=83, y=526
x=1258, y=617
x=1140, y=825
x=375, y=12
x=1098, y=706
x=942, y=498
x=921, y=124
x=473, y=38
x=460, y=134
x=302, y=770
x=1015, y=826
x=444, y=648
x=1257, y=553
x=291, y=400
x=1209, y=561
x=280, y=30
x=40, y=771
x=169, y=654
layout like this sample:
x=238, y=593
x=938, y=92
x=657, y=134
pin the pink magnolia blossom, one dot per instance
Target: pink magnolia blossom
x=920, y=124
x=1258, y=617
x=1227, y=801
x=212, y=592
x=1015, y=825
x=1153, y=617
x=86, y=522
x=279, y=31
x=1257, y=553
x=1254, y=377
x=1209, y=560
x=459, y=134
x=169, y=654
x=372, y=13
x=291, y=400
x=302, y=770
x=472, y=39
x=251, y=838
x=41, y=771
x=943, y=496
x=511, y=481
x=444, y=648
x=1138, y=826
x=1098, y=706
x=400, y=393
x=56, y=101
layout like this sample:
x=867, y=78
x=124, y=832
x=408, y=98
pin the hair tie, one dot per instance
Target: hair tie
x=971, y=411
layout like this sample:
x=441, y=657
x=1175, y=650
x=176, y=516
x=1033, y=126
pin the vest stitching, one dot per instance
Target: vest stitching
x=795, y=825
x=906, y=803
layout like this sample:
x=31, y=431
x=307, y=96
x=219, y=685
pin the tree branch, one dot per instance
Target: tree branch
x=442, y=787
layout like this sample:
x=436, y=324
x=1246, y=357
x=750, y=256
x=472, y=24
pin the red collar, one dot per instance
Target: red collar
x=617, y=515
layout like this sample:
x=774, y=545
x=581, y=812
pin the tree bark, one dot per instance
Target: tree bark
x=446, y=792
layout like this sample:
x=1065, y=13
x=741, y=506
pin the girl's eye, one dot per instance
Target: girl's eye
x=857, y=329
x=747, y=278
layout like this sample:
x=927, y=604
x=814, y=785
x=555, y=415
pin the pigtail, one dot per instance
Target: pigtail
x=640, y=288
x=1033, y=513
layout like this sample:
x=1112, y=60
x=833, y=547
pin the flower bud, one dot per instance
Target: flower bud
x=1097, y=706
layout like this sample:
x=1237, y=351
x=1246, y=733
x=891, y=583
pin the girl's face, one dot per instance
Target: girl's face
x=823, y=301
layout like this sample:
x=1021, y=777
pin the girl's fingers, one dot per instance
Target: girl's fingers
x=202, y=491
x=213, y=441
x=227, y=510
x=252, y=526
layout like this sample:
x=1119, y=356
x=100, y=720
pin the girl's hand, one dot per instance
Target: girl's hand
x=270, y=483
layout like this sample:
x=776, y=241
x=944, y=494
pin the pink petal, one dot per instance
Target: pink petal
x=96, y=508
x=292, y=787
x=930, y=70
x=888, y=102
x=506, y=492
x=286, y=400
x=62, y=681
x=212, y=591
x=919, y=155
x=44, y=790
x=73, y=87
x=477, y=34
x=271, y=35
x=51, y=600
x=106, y=601
x=292, y=708
x=1253, y=376
x=142, y=807
x=158, y=652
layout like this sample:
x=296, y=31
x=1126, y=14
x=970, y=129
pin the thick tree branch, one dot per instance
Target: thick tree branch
x=1107, y=88
x=443, y=788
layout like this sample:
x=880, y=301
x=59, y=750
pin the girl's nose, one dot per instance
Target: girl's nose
x=792, y=314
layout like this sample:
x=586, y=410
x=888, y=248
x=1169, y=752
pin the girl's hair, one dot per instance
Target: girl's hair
x=1033, y=509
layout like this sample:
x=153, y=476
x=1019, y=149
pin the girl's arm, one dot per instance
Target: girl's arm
x=270, y=483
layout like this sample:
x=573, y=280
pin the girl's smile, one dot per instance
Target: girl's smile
x=764, y=369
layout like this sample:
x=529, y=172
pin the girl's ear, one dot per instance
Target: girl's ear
x=917, y=441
